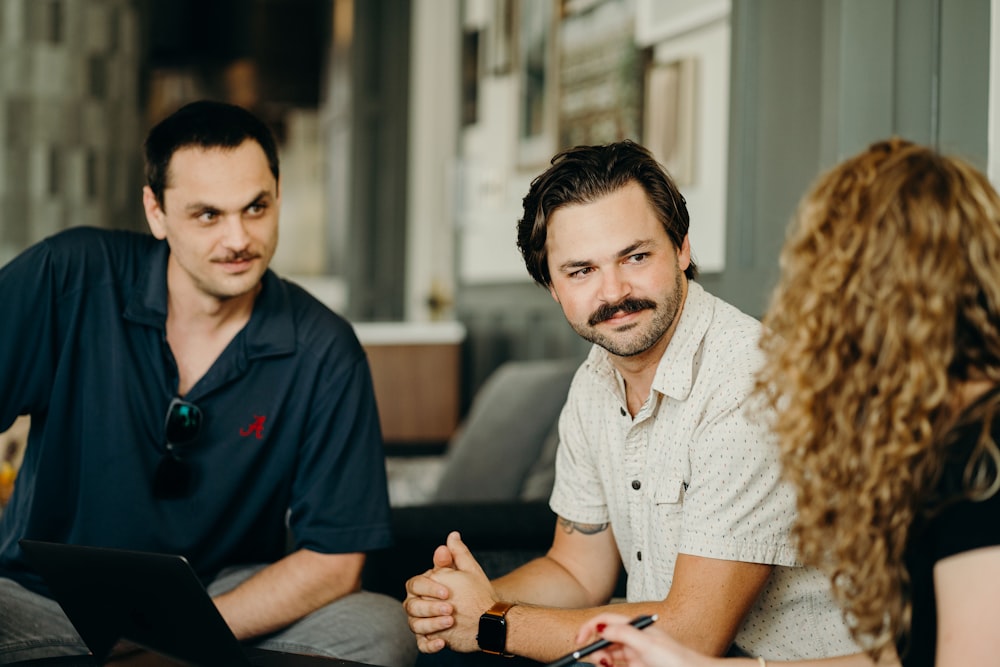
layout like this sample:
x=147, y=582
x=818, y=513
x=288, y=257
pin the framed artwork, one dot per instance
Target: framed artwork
x=668, y=117
x=470, y=77
x=600, y=73
x=537, y=82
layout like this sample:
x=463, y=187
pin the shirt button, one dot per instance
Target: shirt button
x=623, y=411
x=636, y=484
x=638, y=555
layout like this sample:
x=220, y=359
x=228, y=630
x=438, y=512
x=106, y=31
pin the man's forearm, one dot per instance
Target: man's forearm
x=706, y=623
x=288, y=590
x=544, y=634
x=544, y=582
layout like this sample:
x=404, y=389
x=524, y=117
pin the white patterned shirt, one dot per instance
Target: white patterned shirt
x=695, y=473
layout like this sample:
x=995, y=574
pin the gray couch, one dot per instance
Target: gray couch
x=494, y=482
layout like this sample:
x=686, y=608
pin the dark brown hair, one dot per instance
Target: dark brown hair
x=205, y=124
x=586, y=173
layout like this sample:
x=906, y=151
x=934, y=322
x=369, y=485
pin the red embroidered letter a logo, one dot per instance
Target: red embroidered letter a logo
x=256, y=427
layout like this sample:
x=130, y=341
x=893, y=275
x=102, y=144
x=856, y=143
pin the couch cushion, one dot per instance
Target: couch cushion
x=541, y=476
x=503, y=435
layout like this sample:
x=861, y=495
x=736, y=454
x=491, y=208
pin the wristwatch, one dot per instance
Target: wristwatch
x=492, y=635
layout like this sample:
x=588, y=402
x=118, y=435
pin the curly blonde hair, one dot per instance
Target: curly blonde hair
x=889, y=300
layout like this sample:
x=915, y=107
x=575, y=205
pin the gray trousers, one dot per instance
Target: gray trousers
x=366, y=627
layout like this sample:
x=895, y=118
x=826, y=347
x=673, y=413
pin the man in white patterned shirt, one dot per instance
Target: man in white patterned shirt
x=660, y=465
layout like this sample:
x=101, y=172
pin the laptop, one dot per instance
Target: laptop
x=152, y=600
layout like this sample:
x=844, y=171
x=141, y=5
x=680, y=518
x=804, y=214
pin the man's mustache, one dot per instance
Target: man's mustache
x=237, y=257
x=609, y=310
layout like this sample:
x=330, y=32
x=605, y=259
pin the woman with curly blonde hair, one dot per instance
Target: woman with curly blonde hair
x=883, y=371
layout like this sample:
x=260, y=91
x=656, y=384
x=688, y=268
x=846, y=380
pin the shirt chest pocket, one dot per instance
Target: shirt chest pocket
x=669, y=492
x=666, y=515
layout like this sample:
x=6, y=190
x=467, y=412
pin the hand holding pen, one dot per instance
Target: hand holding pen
x=571, y=658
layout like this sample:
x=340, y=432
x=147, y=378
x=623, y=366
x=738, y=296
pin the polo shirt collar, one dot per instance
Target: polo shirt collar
x=270, y=331
x=675, y=373
x=148, y=303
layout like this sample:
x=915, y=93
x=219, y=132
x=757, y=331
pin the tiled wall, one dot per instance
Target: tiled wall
x=69, y=118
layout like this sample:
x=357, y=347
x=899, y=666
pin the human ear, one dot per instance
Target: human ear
x=154, y=213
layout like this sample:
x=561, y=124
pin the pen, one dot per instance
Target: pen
x=639, y=622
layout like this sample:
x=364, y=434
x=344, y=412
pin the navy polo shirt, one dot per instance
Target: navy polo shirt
x=290, y=435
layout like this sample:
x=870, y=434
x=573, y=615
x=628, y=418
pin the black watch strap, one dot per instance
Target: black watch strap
x=492, y=637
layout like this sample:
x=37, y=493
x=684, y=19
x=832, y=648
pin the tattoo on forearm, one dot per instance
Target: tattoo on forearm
x=585, y=528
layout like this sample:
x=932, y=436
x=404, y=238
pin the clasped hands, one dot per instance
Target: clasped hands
x=445, y=602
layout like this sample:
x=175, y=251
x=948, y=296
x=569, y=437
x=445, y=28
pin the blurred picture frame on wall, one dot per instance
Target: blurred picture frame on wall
x=600, y=73
x=470, y=77
x=537, y=132
x=669, y=116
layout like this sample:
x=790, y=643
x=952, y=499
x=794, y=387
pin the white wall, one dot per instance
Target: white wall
x=708, y=44
x=433, y=144
x=301, y=242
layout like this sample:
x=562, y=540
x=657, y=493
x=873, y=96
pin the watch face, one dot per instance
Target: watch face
x=492, y=633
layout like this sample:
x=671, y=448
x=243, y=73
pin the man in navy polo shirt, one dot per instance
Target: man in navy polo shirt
x=185, y=399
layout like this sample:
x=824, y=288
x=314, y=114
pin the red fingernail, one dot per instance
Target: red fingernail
x=601, y=626
x=605, y=662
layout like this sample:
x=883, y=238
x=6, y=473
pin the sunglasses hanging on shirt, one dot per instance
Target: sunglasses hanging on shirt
x=174, y=475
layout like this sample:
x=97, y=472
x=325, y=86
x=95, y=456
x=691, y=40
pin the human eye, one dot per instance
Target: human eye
x=581, y=272
x=256, y=209
x=638, y=257
x=207, y=216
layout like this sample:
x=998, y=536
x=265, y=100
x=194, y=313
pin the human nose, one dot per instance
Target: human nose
x=614, y=287
x=235, y=235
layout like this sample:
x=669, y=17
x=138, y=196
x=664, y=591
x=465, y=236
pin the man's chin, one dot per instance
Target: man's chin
x=235, y=287
x=624, y=352
x=619, y=348
x=620, y=345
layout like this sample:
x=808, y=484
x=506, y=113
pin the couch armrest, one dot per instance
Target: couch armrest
x=502, y=536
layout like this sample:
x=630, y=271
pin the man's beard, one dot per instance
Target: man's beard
x=622, y=345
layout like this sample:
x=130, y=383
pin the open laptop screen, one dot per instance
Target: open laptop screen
x=153, y=600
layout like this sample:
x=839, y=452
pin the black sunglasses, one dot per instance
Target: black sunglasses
x=181, y=428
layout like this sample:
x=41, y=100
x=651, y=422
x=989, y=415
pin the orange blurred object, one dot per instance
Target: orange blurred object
x=7, y=475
